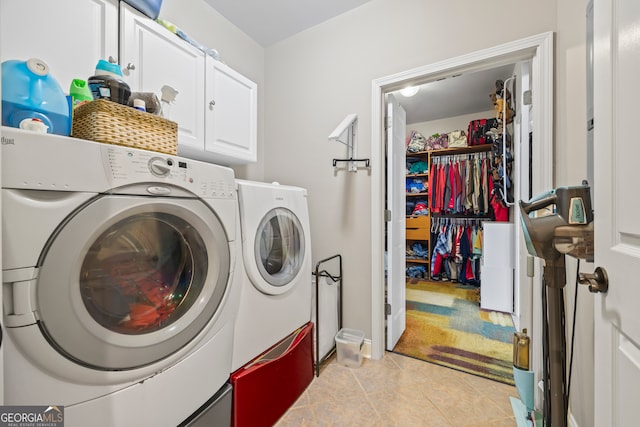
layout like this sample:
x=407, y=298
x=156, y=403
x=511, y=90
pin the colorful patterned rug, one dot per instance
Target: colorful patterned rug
x=446, y=326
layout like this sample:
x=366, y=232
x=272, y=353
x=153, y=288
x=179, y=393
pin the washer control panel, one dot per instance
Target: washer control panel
x=125, y=166
x=160, y=167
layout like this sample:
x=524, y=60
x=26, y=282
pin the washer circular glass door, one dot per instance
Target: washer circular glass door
x=128, y=281
x=279, y=250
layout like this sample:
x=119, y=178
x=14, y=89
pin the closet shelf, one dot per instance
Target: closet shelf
x=417, y=260
x=462, y=150
x=417, y=227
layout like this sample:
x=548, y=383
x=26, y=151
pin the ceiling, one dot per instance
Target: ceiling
x=269, y=21
x=457, y=95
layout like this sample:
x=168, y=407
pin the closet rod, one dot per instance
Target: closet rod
x=439, y=222
x=460, y=216
x=453, y=220
x=460, y=156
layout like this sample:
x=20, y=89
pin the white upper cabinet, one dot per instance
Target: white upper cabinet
x=215, y=107
x=70, y=36
x=153, y=57
x=231, y=115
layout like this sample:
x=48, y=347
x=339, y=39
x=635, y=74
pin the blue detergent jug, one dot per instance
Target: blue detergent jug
x=29, y=91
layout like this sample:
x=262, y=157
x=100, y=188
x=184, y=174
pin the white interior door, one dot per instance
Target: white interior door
x=617, y=229
x=396, y=171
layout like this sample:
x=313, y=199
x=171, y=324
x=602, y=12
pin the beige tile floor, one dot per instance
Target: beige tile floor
x=400, y=391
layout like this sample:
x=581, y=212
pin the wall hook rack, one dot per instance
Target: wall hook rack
x=351, y=162
x=346, y=134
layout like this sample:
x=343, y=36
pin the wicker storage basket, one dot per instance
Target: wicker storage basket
x=113, y=123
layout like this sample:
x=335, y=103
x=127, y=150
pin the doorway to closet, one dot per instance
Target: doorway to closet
x=538, y=52
x=458, y=188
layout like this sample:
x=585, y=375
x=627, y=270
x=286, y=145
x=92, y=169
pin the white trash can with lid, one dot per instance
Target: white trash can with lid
x=349, y=347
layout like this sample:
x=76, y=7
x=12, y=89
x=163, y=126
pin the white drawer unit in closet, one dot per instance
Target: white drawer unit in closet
x=496, y=292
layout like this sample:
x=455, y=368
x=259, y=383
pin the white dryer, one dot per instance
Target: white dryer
x=118, y=280
x=276, y=250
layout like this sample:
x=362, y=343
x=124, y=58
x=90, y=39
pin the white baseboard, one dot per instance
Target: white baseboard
x=366, y=349
x=572, y=421
x=516, y=321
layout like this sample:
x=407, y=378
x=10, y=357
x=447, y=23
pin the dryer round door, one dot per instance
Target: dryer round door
x=279, y=251
x=127, y=281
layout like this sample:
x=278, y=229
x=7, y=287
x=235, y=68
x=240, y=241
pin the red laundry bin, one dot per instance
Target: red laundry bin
x=267, y=386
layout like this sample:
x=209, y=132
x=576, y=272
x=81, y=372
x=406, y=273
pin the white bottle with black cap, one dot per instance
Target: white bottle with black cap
x=107, y=83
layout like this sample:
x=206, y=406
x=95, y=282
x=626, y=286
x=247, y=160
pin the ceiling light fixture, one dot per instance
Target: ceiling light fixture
x=410, y=91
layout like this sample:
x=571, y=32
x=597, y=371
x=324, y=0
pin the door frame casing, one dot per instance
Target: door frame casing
x=539, y=50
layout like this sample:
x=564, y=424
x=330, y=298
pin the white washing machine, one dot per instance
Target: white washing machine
x=118, y=280
x=276, y=251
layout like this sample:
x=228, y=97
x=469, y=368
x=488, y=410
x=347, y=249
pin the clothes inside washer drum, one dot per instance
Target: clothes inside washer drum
x=138, y=275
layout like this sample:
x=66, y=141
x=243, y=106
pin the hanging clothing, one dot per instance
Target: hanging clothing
x=433, y=180
x=459, y=184
x=457, y=251
x=439, y=253
x=477, y=194
x=468, y=203
x=486, y=170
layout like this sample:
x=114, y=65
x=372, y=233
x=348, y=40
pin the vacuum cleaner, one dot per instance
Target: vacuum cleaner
x=558, y=223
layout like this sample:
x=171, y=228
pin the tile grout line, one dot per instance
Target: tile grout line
x=366, y=396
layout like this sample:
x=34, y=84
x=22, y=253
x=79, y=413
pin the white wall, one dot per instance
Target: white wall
x=571, y=169
x=318, y=76
x=236, y=49
x=312, y=80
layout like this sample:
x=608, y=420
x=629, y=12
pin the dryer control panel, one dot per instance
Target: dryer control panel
x=127, y=166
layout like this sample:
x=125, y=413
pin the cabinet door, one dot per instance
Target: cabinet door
x=153, y=57
x=70, y=36
x=231, y=122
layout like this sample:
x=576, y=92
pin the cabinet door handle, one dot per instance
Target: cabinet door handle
x=211, y=104
x=112, y=60
x=130, y=66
